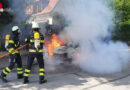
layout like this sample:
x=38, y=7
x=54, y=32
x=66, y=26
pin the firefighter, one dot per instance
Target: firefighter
x=36, y=42
x=11, y=43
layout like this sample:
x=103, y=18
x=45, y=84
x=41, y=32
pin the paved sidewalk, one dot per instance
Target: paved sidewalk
x=75, y=80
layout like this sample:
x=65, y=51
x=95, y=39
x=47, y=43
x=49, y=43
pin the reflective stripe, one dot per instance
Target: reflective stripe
x=27, y=70
x=11, y=41
x=26, y=40
x=42, y=69
x=41, y=41
x=41, y=74
x=20, y=72
x=5, y=72
x=19, y=69
x=11, y=49
x=15, y=45
x=26, y=75
x=15, y=52
x=32, y=50
x=31, y=40
x=9, y=70
x=40, y=50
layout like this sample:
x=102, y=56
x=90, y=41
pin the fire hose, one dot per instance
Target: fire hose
x=13, y=51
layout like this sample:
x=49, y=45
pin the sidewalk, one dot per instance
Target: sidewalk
x=74, y=80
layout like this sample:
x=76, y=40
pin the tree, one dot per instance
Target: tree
x=121, y=9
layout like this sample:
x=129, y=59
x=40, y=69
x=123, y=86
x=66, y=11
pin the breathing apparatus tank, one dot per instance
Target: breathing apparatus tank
x=37, y=40
x=7, y=37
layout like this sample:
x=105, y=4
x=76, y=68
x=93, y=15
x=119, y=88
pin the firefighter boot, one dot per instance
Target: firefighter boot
x=42, y=80
x=19, y=76
x=3, y=79
x=26, y=80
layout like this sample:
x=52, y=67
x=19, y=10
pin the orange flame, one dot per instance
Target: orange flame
x=55, y=43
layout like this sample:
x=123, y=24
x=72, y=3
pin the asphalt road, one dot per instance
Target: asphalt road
x=70, y=79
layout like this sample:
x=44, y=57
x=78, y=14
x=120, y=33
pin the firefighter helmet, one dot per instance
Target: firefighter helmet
x=15, y=28
x=35, y=25
x=50, y=21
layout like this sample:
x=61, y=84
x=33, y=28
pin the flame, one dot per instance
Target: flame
x=53, y=44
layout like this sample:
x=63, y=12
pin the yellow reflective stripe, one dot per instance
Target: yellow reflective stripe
x=15, y=45
x=5, y=72
x=11, y=49
x=42, y=69
x=41, y=41
x=20, y=72
x=27, y=70
x=26, y=75
x=15, y=52
x=19, y=69
x=41, y=74
x=11, y=41
x=32, y=50
x=31, y=40
x=40, y=50
x=9, y=70
x=26, y=40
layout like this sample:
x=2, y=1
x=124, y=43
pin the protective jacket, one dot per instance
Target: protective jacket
x=13, y=43
x=32, y=49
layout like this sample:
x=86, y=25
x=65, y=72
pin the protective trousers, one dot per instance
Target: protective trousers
x=13, y=59
x=40, y=61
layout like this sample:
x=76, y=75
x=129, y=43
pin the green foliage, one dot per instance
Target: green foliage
x=122, y=32
x=122, y=19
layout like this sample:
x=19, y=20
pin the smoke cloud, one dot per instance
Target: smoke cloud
x=91, y=26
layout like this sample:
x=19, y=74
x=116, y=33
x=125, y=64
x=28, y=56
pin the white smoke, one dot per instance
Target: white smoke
x=90, y=25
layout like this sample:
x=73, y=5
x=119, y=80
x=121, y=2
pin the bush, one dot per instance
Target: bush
x=122, y=32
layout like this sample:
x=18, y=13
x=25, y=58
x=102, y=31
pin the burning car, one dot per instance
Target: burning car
x=56, y=48
x=57, y=45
